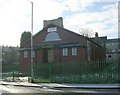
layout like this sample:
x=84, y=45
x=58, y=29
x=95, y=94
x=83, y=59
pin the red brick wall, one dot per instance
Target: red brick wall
x=24, y=62
x=66, y=36
x=97, y=53
x=39, y=56
x=81, y=55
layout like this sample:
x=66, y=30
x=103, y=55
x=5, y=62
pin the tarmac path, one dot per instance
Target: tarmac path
x=19, y=90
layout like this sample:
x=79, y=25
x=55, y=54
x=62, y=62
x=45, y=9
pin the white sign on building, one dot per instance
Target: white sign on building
x=52, y=29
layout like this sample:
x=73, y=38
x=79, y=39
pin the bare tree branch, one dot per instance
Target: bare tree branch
x=86, y=32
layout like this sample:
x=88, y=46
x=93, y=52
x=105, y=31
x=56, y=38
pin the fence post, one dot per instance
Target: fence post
x=51, y=68
x=13, y=76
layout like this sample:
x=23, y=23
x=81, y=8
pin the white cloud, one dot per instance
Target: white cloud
x=106, y=0
x=16, y=17
x=13, y=19
x=46, y=9
x=104, y=22
x=76, y=5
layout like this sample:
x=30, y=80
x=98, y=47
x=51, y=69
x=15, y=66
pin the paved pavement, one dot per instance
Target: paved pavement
x=57, y=85
x=24, y=82
x=112, y=89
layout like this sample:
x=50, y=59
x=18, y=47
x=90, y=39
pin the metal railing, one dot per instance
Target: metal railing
x=78, y=72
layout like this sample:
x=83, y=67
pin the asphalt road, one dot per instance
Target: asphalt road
x=16, y=90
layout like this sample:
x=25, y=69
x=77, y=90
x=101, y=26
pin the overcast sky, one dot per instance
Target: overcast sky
x=98, y=15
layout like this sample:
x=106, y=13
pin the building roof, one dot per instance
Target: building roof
x=39, y=39
x=40, y=35
x=113, y=40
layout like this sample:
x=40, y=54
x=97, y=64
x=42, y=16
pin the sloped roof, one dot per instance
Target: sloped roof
x=60, y=29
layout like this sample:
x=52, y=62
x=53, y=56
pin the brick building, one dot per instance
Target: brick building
x=10, y=54
x=113, y=48
x=56, y=44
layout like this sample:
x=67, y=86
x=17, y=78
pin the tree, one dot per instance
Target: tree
x=24, y=37
x=86, y=32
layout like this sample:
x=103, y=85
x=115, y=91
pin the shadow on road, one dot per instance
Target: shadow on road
x=60, y=94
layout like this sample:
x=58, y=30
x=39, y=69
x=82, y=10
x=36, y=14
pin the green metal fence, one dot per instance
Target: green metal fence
x=78, y=72
x=10, y=67
x=10, y=72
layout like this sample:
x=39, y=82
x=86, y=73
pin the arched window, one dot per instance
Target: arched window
x=53, y=36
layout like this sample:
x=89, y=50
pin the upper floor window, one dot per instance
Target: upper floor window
x=113, y=50
x=65, y=52
x=108, y=44
x=74, y=51
x=25, y=54
x=118, y=50
x=53, y=36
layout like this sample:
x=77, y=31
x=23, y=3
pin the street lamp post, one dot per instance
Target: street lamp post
x=32, y=70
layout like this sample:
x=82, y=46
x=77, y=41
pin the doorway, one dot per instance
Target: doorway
x=48, y=55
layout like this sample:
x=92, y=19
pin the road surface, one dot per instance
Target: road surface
x=19, y=90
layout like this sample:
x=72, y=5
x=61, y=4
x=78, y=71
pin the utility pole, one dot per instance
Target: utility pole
x=32, y=69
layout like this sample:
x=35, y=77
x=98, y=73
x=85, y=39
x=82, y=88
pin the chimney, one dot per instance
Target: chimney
x=57, y=22
x=96, y=35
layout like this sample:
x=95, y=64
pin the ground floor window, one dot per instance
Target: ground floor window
x=65, y=52
x=25, y=54
x=74, y=51
x=33, y=53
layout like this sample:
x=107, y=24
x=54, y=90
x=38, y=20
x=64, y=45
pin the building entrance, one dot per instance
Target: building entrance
x=48, y=55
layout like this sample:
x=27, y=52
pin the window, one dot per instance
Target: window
x=65, y=52
x=53, y=36
x=118, y=50
x=107, y=44
x=74, y=51
x=109, y=56
x=25, y=54
x=112, y=43
x=113, y=50
x=33, y=53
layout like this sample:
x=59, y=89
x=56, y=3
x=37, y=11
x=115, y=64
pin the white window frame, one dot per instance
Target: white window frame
x=55, y=37
x=65, y=51
x=74, y=51
x=25, y=54
x=33, y=53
